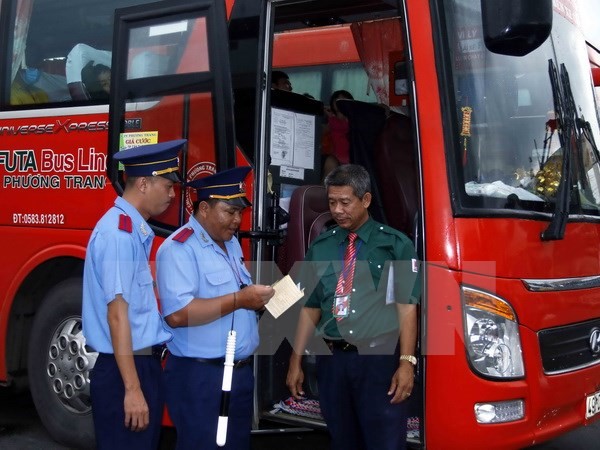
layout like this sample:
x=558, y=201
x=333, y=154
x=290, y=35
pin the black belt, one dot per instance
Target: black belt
x=387, y=341
x=156, y=351
x=221, y=361
x=340, y=344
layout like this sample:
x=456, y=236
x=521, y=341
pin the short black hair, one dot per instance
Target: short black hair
x=100, y=68
x=337, y=95
x=277, y=75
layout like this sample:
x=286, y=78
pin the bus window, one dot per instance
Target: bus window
x=44, y=46
x=156, y=50
x=322, y=80
x=320, y=61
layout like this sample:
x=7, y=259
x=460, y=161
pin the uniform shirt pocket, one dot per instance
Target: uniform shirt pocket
x=219, y=281
x=143, y=300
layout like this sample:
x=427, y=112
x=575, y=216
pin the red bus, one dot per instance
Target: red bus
x=477, y=120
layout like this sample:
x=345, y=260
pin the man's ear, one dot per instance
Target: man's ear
x=142, y=184
x=203, y=208
x=366, y=200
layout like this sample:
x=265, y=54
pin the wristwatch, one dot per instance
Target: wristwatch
x=410, y=358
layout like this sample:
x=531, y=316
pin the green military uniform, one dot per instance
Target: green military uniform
x=372, y=310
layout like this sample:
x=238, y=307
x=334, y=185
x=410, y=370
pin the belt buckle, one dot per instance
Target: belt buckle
x=160, y=351
x=164, y=352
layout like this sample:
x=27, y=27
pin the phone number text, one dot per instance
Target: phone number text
x=38, y=219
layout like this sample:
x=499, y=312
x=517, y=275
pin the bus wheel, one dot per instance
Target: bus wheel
x=59, y=366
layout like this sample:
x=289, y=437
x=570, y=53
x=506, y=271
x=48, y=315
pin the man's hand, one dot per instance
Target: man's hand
x=295, y=377
x=309, y=317
x=134, y=403
x=137, y=414
x=402, y=382
x=255, y=296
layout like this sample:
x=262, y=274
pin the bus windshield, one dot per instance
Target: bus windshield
x=508, y=145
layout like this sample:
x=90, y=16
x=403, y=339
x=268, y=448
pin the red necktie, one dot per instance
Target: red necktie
x=344, y=284
x=345, y=281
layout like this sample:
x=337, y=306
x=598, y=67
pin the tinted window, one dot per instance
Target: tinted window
x=322, y=80
x=60, y=51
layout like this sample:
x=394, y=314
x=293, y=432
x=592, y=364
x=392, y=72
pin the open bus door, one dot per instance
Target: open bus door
x=296, y=166
x=171, y=80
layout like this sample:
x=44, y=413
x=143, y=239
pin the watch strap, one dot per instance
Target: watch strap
x=410, y=358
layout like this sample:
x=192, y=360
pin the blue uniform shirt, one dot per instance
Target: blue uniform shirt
x=199, y=268
x=116, y=262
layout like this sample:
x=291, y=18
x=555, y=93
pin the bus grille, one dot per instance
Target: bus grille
x=568, y=348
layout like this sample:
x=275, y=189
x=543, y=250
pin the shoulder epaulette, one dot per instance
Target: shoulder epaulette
x=389, y=230
x=125, y=223
x=183, y=235
x=326, y=234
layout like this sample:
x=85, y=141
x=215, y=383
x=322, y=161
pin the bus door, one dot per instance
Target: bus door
x=296, y=37
x=170, y=80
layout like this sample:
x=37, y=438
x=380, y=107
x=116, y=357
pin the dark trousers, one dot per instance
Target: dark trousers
x=354, y=402
x=108, y=393
x=194, y=398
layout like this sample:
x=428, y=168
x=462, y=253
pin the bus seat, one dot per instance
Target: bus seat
x=78, y=57
x=396, y=171
x=309, y=217
x=54, y=66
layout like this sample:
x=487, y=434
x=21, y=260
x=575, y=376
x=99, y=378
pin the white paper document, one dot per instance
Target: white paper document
x=286, y=294
x=292, y=139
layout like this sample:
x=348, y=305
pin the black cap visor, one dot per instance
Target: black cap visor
x=173, y=176
x=238, y=201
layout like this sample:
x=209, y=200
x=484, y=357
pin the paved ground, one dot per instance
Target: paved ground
x=20, y=429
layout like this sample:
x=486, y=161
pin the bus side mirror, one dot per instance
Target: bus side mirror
x=515, y=27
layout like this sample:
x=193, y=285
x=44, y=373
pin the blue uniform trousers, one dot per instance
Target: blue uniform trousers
x=108, y=392
x=354, y=402
x=193, y=395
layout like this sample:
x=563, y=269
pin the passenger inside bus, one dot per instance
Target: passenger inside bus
x=281, y=80
x=96, y=78
x=23, y=90
x=33, y=85
x=335, y=136
x=77, y=60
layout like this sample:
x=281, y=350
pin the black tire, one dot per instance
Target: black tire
x=59, y=365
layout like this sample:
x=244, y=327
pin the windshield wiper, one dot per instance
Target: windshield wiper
x=566, y=119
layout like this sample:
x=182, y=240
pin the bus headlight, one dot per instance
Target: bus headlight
x=500, y=412
x=492, y=336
